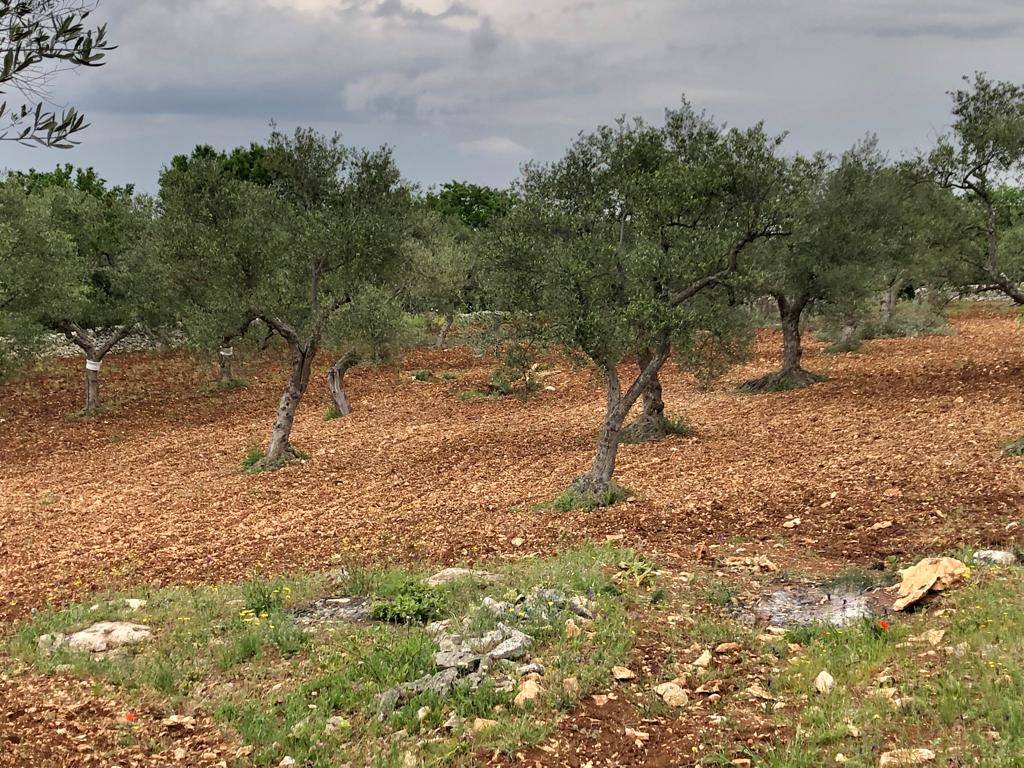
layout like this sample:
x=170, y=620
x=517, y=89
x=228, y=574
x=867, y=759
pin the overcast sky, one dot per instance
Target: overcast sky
x=471, y=88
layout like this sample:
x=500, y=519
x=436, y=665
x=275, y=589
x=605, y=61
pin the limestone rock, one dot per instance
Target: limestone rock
x=824, y=683
x=102, y=637
x=454, y=574
x=994, y=557
x=899, y=758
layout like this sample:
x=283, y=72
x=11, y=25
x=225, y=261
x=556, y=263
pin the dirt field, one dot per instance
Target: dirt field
x=906, y=431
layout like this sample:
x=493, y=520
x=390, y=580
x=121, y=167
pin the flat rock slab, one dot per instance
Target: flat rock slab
x=796, y=605
x=994, y=557
x=334, y=610
x=455, y=574
x=102, y=637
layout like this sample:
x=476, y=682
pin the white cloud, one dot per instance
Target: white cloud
x=494, y=145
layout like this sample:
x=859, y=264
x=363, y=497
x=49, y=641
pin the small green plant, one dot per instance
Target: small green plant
x=472, y=394
x=570, y=499
x=1014, y=448
x=332, y=413
x=718, y=593
x=264, y=597
x=413, y=602
x=422, y=375
x=253, y=456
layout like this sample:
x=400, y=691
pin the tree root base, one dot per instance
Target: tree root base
x=781, y=381
x=256, y=462
x=648, y=429
x=587, y=493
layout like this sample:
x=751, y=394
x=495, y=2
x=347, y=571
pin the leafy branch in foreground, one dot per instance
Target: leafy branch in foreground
x=38, y=39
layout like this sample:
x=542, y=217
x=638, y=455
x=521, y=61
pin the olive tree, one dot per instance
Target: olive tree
x=72, y=264
x=619, y=250
x=334, y=223
x=984, y=152
x=219, y=224
x=39, y=38
x=844, y=219
x=446, y=261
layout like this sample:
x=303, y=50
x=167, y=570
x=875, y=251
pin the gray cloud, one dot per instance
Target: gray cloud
x=471, y=88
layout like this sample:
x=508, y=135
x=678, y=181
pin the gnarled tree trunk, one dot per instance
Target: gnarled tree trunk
x=791, y=375
x=336, y=382
x=280, y=448
x=888, y=303
x=593, y=486
x=651, y=424
x=87, y=341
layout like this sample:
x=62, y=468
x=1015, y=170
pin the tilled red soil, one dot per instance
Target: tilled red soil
x=907, y=431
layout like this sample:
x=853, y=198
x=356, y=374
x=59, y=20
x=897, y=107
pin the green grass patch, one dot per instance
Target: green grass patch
x=1014, y=447
x=571, y=499
x=312, y=695
x=962, y=697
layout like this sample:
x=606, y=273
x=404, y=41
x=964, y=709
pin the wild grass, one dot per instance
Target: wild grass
x=312, y=696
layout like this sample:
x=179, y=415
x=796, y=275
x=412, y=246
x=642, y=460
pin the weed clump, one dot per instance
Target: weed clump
x=571, y=499
x=411, y=602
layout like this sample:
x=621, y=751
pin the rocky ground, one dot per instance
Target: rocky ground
x=895, y=455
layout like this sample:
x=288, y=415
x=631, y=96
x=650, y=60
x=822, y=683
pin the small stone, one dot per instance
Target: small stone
x=455, y=574
x=135, y=603
x=824, y=683
x=792, y=522
x=571, y=686
x=482, y=724
x=179, y=721
x=703, y=661
x=727, y=647
x=514, y=646
x=742, y=762
x=335, y=723
x=622, y=674
x=422, y=713
x=841, y=758
x=994, y=557
x=102, y=637
x=529, y=690
x=286, y=762
x=454, y=722
x=898, y=758
x=571, y=629
x=881, y=525
x=534, y=668
x=518, y=541
x=672, y=694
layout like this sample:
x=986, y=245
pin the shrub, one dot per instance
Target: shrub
x=410, y=603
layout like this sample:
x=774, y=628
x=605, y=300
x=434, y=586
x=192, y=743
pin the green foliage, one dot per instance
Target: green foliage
x=1014, y=447
x=409, y=602
x=252, y=457
x=570, y=499
x=422, y=375
x=40, y=40
x=72, y=259
x=475, y=206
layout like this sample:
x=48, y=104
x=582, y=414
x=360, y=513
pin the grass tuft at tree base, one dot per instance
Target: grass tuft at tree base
x=571, y=499
x=1014, y=448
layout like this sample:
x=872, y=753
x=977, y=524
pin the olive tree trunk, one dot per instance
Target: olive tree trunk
x=279, y=447
x=225, y=357
x=651, y=424
x=596, y=483
x=95, y=351
x=446, y=326
x=336, y=382
x=792, y=374
x=889, y=297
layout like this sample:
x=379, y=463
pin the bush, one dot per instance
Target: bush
x=410, y=603
x=910, y=318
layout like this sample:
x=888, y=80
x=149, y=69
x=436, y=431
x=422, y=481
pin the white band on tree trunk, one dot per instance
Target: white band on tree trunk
x=227, y=351
x=92, y=365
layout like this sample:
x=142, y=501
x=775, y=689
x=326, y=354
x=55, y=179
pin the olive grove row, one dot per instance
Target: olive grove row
x=643, y=244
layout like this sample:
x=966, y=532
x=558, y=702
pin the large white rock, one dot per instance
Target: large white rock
x=102, y=637
x=453, y=574
x=994, y=557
